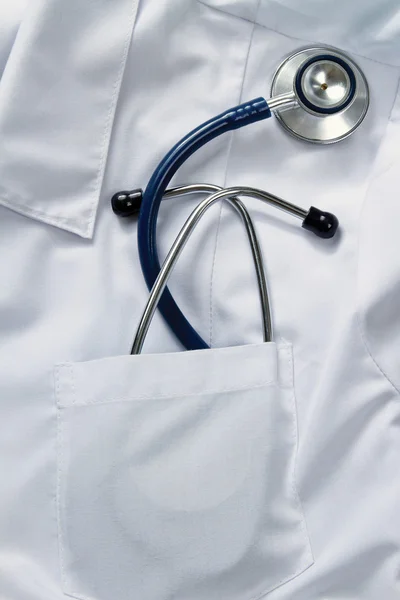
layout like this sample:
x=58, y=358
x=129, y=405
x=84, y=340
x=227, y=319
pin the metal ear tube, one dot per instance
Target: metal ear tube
x=323, y=224
x=180, y=243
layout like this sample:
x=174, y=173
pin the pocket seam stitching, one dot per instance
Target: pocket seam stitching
x=295, y=497
x=59, y=454
x=163, y=397
x=309, y=558
x=295, y=434
x=72, y=381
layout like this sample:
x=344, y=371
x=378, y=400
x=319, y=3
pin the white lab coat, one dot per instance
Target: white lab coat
x=236, y=473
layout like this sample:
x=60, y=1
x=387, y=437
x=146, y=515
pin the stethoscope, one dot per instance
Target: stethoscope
x=318, y=95
x=215, y=193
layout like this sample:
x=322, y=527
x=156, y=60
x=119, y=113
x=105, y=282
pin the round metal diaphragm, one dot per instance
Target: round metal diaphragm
x=331, y=91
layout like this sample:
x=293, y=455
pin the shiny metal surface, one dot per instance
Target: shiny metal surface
x=185, y=233
x=253, y=241
x=292, y=209
x=333, y=86
x=179, y=244
x=326, y=84
x=283, y=102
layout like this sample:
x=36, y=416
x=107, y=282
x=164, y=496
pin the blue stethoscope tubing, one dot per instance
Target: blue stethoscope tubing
x=234, y=118
x=313, y=84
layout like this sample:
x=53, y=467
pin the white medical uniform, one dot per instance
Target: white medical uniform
x=246, y=471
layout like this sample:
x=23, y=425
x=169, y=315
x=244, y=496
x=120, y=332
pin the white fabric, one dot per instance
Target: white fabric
x=46, y=113
x=74, y=93
x=11, y=15
x=184, y=487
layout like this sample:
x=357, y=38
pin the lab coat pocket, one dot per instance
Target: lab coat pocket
x=176, y=475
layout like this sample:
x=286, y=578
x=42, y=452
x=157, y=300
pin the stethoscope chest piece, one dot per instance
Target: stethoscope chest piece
x=331, y=92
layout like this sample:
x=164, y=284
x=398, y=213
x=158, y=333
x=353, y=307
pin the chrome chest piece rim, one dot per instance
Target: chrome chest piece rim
x=331, y=92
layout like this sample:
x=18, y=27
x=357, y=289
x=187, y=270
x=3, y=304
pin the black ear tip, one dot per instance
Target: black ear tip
x=323, y=224
x=127, y=203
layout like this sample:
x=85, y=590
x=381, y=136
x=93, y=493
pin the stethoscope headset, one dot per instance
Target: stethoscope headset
x=318, y=95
